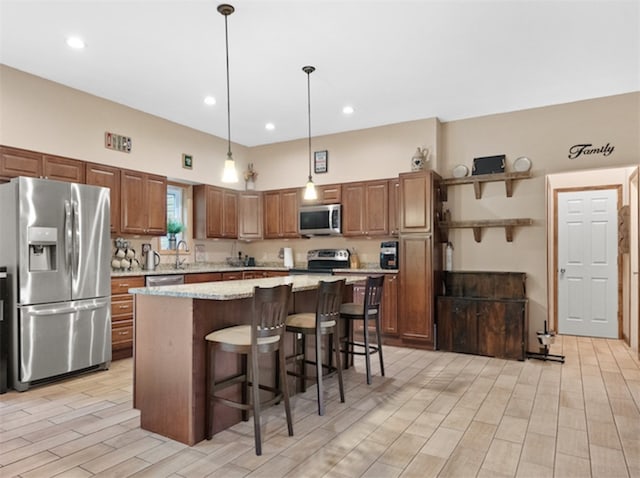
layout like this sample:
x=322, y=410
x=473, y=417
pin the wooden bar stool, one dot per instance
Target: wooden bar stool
x=264, y=335
x=321, y=323
x=370, y=310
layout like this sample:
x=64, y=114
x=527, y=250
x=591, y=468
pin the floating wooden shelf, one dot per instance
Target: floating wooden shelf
x=477, y=181
x=477, y=226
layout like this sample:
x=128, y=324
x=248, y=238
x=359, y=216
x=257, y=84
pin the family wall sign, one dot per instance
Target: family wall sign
x=588, y=149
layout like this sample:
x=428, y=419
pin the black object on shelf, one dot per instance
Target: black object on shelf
x=546, y=338
x=488, y=165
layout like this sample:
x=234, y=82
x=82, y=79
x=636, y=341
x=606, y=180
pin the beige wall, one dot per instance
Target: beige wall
x=373, y=153
x=545, y=136
x=44, y=116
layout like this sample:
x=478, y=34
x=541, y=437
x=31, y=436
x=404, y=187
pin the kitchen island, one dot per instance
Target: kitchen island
x=170, y=350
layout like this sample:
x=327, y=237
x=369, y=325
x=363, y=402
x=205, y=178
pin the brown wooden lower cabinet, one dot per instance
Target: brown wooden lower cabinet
x=277, y=273
x=388, y=306
x=122, y=317
x=419, y=275
x=495, y=325
x=197, y=277
x=254, y=274
x=389, y=318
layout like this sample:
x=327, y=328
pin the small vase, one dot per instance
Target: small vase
x=172, y=241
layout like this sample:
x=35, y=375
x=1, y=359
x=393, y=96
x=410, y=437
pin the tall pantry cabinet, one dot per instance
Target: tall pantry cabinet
x=420, y=256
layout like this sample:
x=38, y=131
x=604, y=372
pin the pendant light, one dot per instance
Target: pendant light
x=310, y=189
x=229, y=174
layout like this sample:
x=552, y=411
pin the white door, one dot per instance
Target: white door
x=588, y=263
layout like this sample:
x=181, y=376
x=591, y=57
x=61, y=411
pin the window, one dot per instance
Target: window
x=176, y=206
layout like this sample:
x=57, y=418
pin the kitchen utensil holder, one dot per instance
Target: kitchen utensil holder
x=546, y=338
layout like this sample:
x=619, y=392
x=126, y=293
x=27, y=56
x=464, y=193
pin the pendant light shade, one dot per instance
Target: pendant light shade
x=310, y=192
x=229, y=174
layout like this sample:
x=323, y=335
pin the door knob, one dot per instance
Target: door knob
x=562, y=271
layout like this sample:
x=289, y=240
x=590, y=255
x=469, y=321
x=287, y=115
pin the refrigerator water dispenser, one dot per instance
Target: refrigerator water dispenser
x=42, y=248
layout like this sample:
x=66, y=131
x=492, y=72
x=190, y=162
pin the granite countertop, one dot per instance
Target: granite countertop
x=366, y=270
x=194, y=268
x=240, y=289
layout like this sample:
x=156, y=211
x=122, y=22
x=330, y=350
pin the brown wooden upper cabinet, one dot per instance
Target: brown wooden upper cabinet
x=418, y=192
x=63, y=169
x=327, y=194
x=143, y=203
x=250, y=215
x=394, y=206
x=16, y=162
x=281, y=213
x=107, y=177
x=365, y=208
x=215, y=212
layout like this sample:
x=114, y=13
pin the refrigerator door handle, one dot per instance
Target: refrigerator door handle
x=68, y=243
x=67, y=309
x=76, y=240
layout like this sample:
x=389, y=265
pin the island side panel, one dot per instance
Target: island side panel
x=163, y=366
x=210, y=315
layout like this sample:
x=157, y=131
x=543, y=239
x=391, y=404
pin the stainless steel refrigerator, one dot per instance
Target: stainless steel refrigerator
x=55, y=243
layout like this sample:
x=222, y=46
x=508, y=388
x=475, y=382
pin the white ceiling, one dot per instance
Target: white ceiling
x=392, y=61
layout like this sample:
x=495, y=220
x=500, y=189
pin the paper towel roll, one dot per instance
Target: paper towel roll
x=288, y=257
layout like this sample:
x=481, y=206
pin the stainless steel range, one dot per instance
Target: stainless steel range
x=323, y=261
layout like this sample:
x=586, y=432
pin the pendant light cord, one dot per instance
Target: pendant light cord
x=309, y=114
x=226, y=39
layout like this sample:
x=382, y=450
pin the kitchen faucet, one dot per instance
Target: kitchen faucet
x=186, y=249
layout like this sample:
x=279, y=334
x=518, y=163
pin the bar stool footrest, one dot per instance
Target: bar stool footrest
x=372, y=348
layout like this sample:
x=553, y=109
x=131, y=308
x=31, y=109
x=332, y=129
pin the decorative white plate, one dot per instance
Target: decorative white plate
x=460, y=171
x=522, y=164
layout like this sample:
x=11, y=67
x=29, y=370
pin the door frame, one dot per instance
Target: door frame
x=635, y=177
x=618, y=189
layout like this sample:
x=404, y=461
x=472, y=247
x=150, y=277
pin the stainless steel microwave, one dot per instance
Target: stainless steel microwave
x=320, y=220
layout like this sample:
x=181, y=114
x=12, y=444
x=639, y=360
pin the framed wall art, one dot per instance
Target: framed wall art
x=320, y=161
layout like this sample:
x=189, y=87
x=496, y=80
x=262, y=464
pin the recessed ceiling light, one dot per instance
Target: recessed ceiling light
x=209, y=100
x=347, y=110
x=270, y=126
x=76, y=43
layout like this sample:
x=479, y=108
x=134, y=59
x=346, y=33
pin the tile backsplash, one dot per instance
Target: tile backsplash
x=265, y=252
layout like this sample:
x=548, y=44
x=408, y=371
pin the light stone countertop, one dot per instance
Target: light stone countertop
x=194, y=268
x=366, y=270
x=240, y=289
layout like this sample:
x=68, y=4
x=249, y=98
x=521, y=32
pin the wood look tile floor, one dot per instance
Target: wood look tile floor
x=434, y=414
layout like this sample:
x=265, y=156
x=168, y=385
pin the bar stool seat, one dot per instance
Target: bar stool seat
x=264, y=335
x=369, y=310
x=320, y=323
x=238, y=335
x=307, y=320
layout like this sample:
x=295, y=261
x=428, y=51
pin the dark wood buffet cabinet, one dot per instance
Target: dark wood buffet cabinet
x=484, y=313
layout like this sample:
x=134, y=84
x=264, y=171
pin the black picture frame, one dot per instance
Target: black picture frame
x=320, y=162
